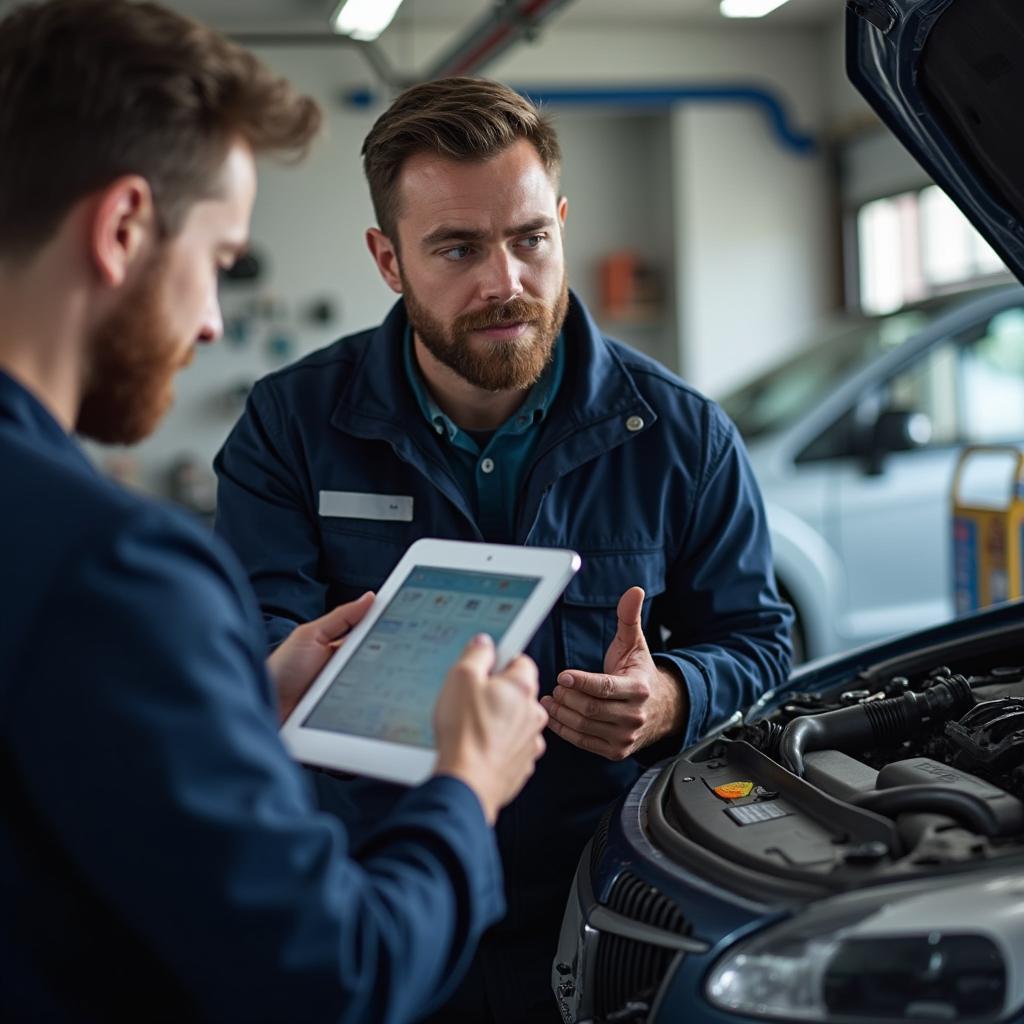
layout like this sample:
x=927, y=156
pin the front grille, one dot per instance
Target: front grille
x=600, y=841
x=627, y=971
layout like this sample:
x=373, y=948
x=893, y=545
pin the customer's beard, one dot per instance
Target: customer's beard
x=503, y=365
x=133, y=359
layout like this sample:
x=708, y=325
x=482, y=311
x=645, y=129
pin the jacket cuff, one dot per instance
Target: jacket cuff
x=699, y=694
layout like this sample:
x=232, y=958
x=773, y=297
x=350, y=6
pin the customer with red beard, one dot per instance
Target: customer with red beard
x=160, y=855
x=492, y=404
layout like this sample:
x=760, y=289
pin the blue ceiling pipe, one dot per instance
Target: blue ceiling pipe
x=765, y=100
x=768, y=102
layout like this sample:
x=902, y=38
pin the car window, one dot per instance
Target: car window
x=992, y=381
x=970, y=389
x=775, y=399
x=930, y=387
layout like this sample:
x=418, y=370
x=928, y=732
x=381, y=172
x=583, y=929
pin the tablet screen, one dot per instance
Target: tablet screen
x=388, y=688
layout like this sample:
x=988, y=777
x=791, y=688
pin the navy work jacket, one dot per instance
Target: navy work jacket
x=635, y=470
x=161, y=857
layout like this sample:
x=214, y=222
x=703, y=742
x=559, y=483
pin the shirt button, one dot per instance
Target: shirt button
x=634, y=423
x=439, y=428
x=487, y=466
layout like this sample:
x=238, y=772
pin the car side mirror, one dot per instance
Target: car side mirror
x=895, y=430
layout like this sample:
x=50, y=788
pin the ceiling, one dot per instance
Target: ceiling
x=313, y=15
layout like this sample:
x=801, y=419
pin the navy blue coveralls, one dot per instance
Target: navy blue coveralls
x=161, y=858
x=636, y=471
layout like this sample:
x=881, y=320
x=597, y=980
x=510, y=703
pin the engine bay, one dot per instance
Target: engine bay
x=909, y=768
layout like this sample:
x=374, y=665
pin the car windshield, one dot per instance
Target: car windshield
x=776, y=398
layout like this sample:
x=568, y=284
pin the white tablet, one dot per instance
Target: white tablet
x=370, y=711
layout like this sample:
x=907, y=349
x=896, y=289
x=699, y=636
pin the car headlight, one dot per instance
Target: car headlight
x=823, y=967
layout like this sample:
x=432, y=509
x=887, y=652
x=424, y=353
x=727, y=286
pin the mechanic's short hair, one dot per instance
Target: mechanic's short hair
x=470, y=119
x=91, y=90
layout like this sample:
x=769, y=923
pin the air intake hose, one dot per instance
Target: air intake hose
x=875, y=723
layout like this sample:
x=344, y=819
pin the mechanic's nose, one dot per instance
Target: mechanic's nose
x=212, y=327
x=501, y=282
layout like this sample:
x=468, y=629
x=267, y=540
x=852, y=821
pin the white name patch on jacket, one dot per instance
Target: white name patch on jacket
x=356, y=505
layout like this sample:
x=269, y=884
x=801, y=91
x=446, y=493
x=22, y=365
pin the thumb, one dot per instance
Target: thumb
x=330, y=628
x=629, y=634
x=477, y=658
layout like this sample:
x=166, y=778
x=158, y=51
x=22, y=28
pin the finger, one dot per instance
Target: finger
x=540, y=716
x=603, y=685
x=630, y=632
x=612, y=733
x=330, y=628
x=477, y=658
x=594, y=744
x=522, y=672
x=615, y=712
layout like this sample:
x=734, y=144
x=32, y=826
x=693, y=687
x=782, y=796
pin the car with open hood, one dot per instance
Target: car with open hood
x=852, y=848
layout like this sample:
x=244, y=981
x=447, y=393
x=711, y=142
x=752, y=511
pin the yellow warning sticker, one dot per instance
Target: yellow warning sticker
x=734, y=790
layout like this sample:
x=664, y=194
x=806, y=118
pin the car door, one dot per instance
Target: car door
x=891, y=517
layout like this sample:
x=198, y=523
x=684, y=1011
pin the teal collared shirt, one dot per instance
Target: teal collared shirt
x=490, y=476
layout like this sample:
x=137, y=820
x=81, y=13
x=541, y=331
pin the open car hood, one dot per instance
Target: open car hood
x=947, y=77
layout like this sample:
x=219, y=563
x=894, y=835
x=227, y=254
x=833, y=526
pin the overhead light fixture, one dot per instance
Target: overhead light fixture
x=749, y=8
x=363, y=19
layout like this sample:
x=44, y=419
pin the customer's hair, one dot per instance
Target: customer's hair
x=470, y=119
x=91, y=90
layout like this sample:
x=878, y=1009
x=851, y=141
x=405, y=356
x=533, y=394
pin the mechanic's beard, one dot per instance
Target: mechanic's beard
x=134, y=357
x=503, y=365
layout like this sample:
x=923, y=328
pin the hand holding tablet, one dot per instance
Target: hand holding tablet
x=371, y=708
x=488, y=727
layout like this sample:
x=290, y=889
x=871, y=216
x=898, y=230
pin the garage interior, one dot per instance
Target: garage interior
x=738, y=212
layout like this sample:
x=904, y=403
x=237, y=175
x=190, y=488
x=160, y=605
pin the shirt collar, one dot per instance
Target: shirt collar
x=531, y=412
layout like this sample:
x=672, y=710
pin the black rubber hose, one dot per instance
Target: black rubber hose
x=809, y=732
x=968, y=809
x=875, y=723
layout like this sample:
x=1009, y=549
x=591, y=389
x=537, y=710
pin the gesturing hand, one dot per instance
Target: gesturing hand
x=296, y=662
x=631, y=705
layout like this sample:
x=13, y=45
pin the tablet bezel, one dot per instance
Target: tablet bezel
x=399, y=762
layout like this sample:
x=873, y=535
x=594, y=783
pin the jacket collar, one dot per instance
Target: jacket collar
x=598, y=408
x=378, y=399
x=35, y=421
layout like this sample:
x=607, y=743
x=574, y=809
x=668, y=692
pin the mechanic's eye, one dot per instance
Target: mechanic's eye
x=457, y=254
x=532, y=241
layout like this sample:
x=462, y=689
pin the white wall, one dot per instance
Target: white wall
x=618, y=177
x=737, y=221
x=755, y=270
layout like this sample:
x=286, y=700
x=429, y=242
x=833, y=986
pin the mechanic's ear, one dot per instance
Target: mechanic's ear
x=563, y=209
x=385, y=255
x=121, y=228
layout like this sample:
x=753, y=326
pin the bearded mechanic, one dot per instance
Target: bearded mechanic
x=492, y=405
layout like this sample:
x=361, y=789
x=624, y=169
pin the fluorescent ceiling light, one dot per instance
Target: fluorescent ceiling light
x=363, y=19
x=748, y=8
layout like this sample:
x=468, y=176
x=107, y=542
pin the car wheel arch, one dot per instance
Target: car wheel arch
x=811, y=577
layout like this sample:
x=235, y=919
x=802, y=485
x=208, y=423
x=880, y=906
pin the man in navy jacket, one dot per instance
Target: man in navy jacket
x=161, y=857
x=490, y=404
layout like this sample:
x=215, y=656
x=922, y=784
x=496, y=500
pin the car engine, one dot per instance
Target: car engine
x=903, y=772
x=850, y=849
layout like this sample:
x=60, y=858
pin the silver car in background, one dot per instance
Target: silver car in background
x=855, y=441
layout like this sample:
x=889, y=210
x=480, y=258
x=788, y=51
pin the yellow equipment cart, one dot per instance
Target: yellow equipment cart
x=987, y=538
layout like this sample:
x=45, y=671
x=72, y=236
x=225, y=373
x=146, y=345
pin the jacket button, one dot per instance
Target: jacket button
x=487, y=466
x=634, y=423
